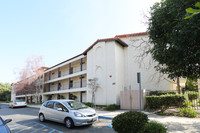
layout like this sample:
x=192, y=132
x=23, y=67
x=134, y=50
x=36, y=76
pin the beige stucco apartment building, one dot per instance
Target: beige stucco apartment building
x=113, y=61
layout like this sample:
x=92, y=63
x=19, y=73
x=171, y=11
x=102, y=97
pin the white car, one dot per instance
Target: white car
x=18, y=103
x=69, y=112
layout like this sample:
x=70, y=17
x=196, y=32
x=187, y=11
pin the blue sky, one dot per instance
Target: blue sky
x=61, y=29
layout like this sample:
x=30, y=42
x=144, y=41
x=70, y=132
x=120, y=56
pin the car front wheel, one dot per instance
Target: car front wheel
x=69, y=123
x=41, y=118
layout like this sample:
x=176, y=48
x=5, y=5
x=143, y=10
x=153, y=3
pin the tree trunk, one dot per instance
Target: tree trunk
x=178, y=85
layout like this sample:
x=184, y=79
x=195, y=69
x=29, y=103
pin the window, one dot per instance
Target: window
x=59, y=86
x=1, y=122
x=50, y=104
x=18, y=101
x=71, y=70
x=45, y=104
x=59, y=74
x=59, y=105
x=71, y=84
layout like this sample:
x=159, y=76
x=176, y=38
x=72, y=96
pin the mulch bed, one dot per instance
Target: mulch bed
x=171, y=112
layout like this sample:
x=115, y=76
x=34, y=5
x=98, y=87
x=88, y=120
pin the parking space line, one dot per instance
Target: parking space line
x=20, y=125
x=12, y=126
x=16, y=126
x=38, y=129
x=52, y=131
x=26, y=128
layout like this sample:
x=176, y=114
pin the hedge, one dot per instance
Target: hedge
x=89, y=104
x=193, y=95
x=164, y=101
x=158, y=93
x=112, y=107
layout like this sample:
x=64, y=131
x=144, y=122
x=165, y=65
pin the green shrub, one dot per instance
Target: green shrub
x=8, y=101
x=129, y=122
x=89, y=104
x=198, y=102
x=112, y=107
x=164, y=101
x=187, y=112
x=192, y=95
x=189, y=104
x=158, y=93
x=154, y=127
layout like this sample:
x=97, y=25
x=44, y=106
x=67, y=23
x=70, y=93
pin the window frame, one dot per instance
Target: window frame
x=48, y=103
x=61, y=105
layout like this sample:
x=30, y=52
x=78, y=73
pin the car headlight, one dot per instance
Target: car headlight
x=77, y=114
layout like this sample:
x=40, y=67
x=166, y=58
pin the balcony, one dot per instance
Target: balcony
x=54, y=76
x=73, y=85
x=25, y=92
x=66, y=74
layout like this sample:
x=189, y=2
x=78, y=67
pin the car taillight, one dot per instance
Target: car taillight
x=15, y=103
x=25, y=102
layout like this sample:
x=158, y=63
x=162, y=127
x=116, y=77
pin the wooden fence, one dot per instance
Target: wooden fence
x=129, y=99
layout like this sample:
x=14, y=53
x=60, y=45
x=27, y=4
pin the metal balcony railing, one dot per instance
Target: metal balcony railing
x=75, y=84
x=84, y=83
x=84, y=66
x=64, y=73
x=54, y=88
x=54, y=76
x=64, y=87
x=76, y=69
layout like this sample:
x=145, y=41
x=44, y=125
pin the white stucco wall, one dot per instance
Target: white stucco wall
x=116, y=68
x=120, y=70
x=150, y=78
x=101, y=64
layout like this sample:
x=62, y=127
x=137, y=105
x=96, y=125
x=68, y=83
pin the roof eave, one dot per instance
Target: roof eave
x=118, y=40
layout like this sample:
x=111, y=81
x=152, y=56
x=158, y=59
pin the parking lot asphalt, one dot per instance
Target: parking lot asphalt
x=25, y=120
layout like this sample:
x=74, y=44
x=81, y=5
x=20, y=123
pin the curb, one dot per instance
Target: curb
x=33, y=106
x=104, y=117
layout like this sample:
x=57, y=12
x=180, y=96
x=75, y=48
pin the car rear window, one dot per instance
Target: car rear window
x=18, y=101
x=50, y=104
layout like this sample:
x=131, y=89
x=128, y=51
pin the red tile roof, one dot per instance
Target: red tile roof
x=133, y=34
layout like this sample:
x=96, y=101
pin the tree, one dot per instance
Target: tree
x=5, y=92
x=93, y=86
x=192, y=12
x=175, y=41
x=30, y=81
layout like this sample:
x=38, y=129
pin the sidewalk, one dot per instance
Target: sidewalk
x=174, y=124
x=33, y=106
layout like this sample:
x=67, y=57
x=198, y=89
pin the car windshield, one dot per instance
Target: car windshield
x=18, y=101
x=75, y=105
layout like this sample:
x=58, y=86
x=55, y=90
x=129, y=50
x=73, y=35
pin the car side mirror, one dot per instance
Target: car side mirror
x=59, y=109
x=8, y=120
